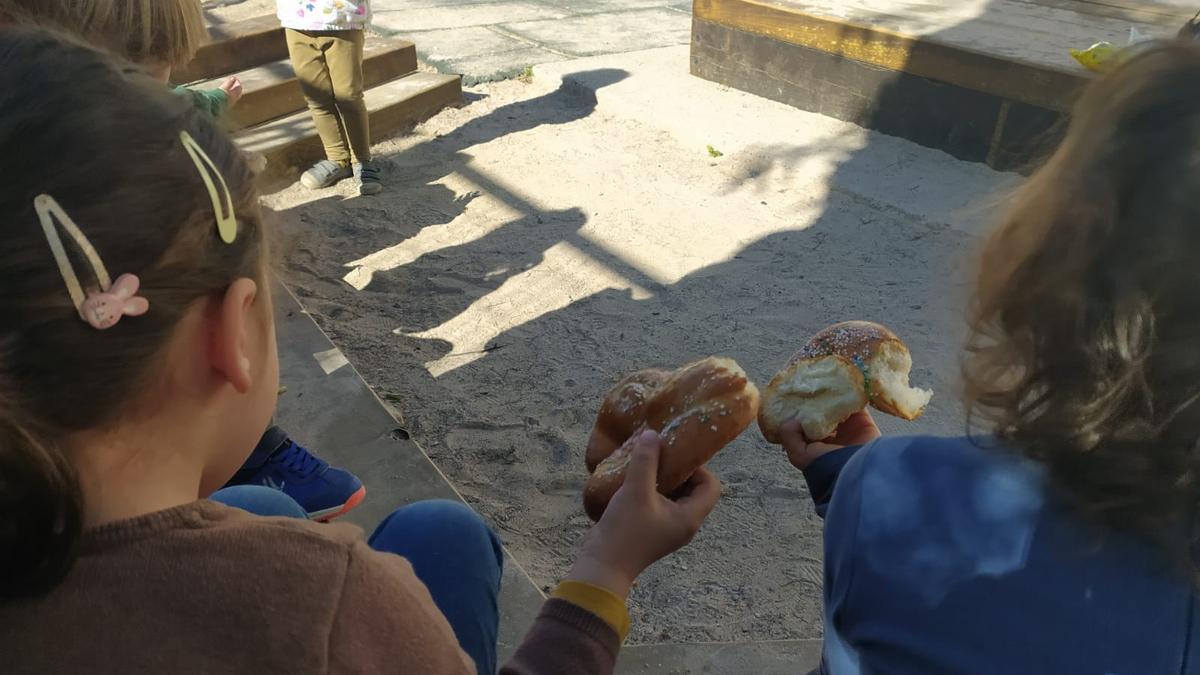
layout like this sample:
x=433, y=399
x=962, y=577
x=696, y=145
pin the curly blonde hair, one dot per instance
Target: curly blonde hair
x=1085, y=326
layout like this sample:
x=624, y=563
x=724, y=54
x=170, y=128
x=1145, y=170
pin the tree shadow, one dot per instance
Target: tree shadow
x=531, y=394
x=518, y=412
x=417, y=198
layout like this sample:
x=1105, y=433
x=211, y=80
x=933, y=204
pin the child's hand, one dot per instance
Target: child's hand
x=858, y=429
x=640, y=526
x=233, y=89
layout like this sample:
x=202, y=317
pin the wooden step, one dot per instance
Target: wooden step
x=271, y=91
x=236, y=46
x=974, y=100
x=291, y=142
x=991, y=83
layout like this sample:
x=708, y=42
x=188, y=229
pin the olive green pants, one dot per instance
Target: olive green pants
x=329, y=65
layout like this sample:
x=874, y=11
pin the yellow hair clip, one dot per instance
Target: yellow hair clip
x=101, y=307
x=226, y=219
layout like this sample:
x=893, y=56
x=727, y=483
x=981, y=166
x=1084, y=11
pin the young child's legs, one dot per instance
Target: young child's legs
x=307, y=50
x=344, y=58
x=460, y=560
x=278, y=462
x=259, y=500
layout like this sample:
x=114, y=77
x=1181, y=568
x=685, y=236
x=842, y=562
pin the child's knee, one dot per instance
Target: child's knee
x=349, y=98
x=259, y=500
x=442, y=519
x=445, y=515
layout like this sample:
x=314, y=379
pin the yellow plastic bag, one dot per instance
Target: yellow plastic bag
x=1104, y=56
x=1099, y=58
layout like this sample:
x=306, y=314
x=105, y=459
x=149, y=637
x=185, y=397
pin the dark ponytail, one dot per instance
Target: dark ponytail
x=103, y=140
x=40, y=512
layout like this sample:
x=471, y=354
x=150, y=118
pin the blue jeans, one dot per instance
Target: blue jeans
x=451, y=549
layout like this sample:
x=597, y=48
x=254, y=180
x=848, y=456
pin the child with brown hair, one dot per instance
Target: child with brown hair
x=1066, y=541
x=325, y=40
x=139, y=361
x=160, y=35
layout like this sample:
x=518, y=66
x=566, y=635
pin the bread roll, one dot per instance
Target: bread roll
x=622, y=411
x=697, y=410
x=842, y=369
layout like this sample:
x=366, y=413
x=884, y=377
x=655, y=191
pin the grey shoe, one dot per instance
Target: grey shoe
x=325, y=173
x=369, y=180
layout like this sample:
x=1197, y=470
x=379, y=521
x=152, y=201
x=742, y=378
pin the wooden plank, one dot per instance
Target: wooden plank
x=1034, y=31
x=1001, y=75
x=968, y=124
x=234, y=47
x=292, y=141
x=271, y=90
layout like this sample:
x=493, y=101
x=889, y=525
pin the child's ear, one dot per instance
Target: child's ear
x=233, y=336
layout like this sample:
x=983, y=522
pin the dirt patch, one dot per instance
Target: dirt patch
x=530, y=249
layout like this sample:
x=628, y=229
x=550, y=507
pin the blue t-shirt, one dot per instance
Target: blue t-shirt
x=945, y=557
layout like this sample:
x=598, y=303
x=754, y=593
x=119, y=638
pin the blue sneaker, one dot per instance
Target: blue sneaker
x=325, y=492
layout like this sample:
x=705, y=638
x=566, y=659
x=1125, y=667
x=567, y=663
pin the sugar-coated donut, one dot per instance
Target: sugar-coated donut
x=837, y=373
x=697, y=410
x=622, y=411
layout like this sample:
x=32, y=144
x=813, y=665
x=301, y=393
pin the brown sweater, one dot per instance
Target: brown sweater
x=204, y=588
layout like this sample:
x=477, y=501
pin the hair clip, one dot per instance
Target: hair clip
x=103, y=310
x=100, y=309
x=226, y=219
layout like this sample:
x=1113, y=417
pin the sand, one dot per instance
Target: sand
x=539, y=243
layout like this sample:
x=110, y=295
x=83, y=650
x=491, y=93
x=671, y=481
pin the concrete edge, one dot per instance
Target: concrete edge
x=767, y=657
x=385, y=407
x=926, y=57
x=327, y=406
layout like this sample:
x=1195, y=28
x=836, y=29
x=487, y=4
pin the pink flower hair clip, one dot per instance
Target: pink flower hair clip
x=101, y=308
x=105, y=308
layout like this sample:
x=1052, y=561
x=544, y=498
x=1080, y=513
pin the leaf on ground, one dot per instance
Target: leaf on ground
x=713, y=152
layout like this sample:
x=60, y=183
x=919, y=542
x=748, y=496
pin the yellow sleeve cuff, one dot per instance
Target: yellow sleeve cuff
x=599, y=601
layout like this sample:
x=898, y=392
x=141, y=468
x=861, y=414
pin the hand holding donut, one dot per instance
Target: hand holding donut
x=697, y=410
x=858, y=429
x=640, y=525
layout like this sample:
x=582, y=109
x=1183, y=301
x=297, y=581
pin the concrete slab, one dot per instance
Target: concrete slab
x=1039, y=31
x=401, y=6
x=607, y=33
x=777, y=657
x=337, y=415
x=481, y=53
x=448, y=33
x=603, y=6
x=460, y=16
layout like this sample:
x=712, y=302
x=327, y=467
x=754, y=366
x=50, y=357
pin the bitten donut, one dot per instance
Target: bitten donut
x=842, y=369
x=697, y=410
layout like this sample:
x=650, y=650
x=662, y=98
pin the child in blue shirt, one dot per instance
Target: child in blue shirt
x=1063, y=538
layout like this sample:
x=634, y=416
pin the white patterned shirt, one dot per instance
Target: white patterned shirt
x=324, y=14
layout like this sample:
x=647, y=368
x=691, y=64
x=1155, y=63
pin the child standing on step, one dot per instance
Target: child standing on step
x=325, y=40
